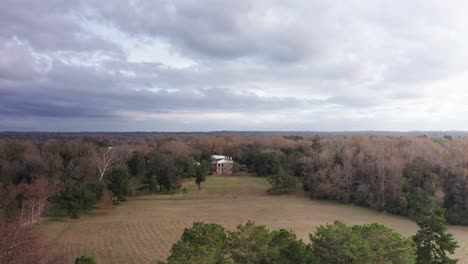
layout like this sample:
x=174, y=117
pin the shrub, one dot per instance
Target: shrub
x=282, y=182
x=85, y=260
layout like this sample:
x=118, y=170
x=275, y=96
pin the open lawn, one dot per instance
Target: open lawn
x=143, y=229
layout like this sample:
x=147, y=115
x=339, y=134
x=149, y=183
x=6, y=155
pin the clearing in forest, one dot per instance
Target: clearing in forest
x=143, y=229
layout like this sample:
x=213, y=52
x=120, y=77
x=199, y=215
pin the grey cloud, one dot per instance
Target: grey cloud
x=78, y=91
x=43, y=108
x=311, y=60
x=51, y=25
x=216, y=29
x=17, y=62
x=353, y=101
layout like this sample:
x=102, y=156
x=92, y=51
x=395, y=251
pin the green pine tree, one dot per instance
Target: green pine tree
x=119, y=184
x=282, y=182
x=433, y=242
x=201, y=172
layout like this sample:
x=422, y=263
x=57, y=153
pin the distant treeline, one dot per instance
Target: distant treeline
x=135, y=136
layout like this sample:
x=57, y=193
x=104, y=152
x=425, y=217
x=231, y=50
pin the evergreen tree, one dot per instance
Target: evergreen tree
x=187, y=167
x=201, y=172
x=75, y=196
x=119, y=184
x=268, y=163
x=252, y=244
x=137, y=165
x=433, y=242
x=201, y=244
x=162, y=172
x=374, y=243
x=282, y=182
x=155, y=165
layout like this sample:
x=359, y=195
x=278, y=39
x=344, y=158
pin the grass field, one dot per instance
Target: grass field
x=143, y=229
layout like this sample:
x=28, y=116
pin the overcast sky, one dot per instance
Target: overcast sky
x=233, y=65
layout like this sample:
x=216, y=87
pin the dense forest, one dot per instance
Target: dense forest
x=390, y=174
x=395, y=174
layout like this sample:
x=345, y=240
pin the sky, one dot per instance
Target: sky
x=204, y=65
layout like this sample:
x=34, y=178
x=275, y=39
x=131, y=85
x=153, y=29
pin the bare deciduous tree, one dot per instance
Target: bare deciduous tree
x=19, y=243
x=103, y=159
x=33, y=200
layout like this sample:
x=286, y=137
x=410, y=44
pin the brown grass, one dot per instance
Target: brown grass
x=143, y=229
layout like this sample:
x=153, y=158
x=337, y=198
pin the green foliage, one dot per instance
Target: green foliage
x=267, y=163
x=137, y=165
x=97, y=188
x=455, y=197
x=337, y=243
x=432, y=239
x=316, y=145
x=282, y=182
x=119, y=184
x=287, y=249
x=203, y=244
x=155, y=165
x=422, y=183
x=236, y=167
x=201, y=171
x=455, y=216
x=161, y=172
x=375, y=243
x=386, y=245
x=85, y=260
x=75, y=196
x=251, y=244
x=187, y=167
x=294, y=161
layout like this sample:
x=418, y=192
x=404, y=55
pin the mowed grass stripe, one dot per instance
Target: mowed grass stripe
x=146, y=242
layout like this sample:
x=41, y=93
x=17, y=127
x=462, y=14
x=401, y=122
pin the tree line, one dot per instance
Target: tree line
x=390, y=174
x=73, y=176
